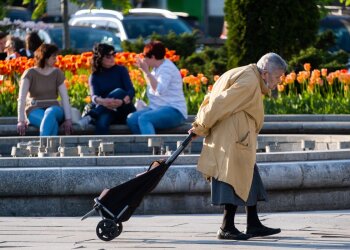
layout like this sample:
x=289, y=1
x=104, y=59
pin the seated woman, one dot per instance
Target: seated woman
x=167, y=105
x=110, y=89
x=43, y=83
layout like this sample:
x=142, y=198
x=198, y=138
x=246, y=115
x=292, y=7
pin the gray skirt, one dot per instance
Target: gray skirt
x=223, y=193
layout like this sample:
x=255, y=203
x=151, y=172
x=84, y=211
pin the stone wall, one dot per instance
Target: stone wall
x=66, y=186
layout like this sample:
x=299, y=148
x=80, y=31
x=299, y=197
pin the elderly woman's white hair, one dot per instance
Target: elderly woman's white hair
x=271, y=62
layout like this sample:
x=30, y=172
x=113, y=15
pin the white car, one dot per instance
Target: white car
x=139, y=22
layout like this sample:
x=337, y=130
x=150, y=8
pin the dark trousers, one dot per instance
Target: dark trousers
x=104, y=117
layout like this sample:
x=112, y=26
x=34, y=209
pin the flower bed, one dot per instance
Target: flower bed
x=307, y=91
x=312, y=92
x=77, y=71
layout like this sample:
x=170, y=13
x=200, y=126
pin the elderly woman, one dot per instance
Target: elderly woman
x=167, y=104
x=43, y=83
x=230, y=119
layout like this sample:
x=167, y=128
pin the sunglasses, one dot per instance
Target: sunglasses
x=111, y=55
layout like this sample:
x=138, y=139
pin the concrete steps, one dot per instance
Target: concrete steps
x=274, y=124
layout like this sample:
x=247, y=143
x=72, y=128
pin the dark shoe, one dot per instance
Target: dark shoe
x=262, y=231
x=232, y=235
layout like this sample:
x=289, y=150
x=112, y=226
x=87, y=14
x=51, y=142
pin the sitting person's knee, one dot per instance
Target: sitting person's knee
x=53, y=110
x=144, y=118
x=117, y=93
x=132, y=118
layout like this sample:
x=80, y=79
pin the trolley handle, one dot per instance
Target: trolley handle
x=179, y=150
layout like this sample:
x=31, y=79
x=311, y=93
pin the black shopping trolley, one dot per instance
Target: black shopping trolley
x=116, y=205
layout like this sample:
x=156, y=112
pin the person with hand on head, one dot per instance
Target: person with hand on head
x=230, y=119
x=110, y=89
x=167, y=105
x=38, y=93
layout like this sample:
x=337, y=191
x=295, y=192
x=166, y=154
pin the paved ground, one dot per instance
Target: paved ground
x=301, y=230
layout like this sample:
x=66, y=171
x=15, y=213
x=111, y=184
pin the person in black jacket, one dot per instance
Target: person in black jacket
x=111, y=91
x=3, y=37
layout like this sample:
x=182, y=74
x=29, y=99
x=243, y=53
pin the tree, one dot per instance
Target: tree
x=347, y=2
x=256, y=27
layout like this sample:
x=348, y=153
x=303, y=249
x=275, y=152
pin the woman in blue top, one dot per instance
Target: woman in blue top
x=110, y=89
x=167, y=105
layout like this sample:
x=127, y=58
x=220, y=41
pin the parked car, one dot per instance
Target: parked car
x=139, y=22
x=84, y=38
x=340, y=25
x=18, y=13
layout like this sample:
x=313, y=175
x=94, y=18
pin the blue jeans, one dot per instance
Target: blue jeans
x=47, y=120
x=146, y=121
x=104, y=117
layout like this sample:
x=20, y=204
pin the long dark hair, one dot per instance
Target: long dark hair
x=45, y=51
x=99, y=51
x=33, y=41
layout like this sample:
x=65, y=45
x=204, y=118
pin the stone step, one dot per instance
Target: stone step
x=324, y=127
x=11, y=130
x=146, y=160
x=124, y=145
x=12, y=120
x=274, y=124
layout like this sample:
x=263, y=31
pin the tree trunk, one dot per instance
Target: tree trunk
x=64, y=13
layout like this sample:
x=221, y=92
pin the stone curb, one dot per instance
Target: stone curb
x=83, y=180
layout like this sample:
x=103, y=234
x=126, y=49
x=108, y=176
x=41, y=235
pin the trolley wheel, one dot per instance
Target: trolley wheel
x=107, y=229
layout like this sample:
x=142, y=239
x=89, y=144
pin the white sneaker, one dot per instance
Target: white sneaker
x=84, y=122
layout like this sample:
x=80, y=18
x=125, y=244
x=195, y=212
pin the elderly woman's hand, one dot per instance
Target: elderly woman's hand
x=194, y=136
x=68, y=127
x=21, y=127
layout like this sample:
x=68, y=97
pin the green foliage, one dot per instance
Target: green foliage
x=69, y=51
x=39, y=10
x=133, y=46
x=209, y=61
x=8, y=96
x=3, y=9
x=257, y=27
x=184, y=44
x=40, y=5
x=319, y=56
x=123, y=5
x=347, y=2
x=325, y=40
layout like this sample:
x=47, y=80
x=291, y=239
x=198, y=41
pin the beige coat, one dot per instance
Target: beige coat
x=230, y=118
